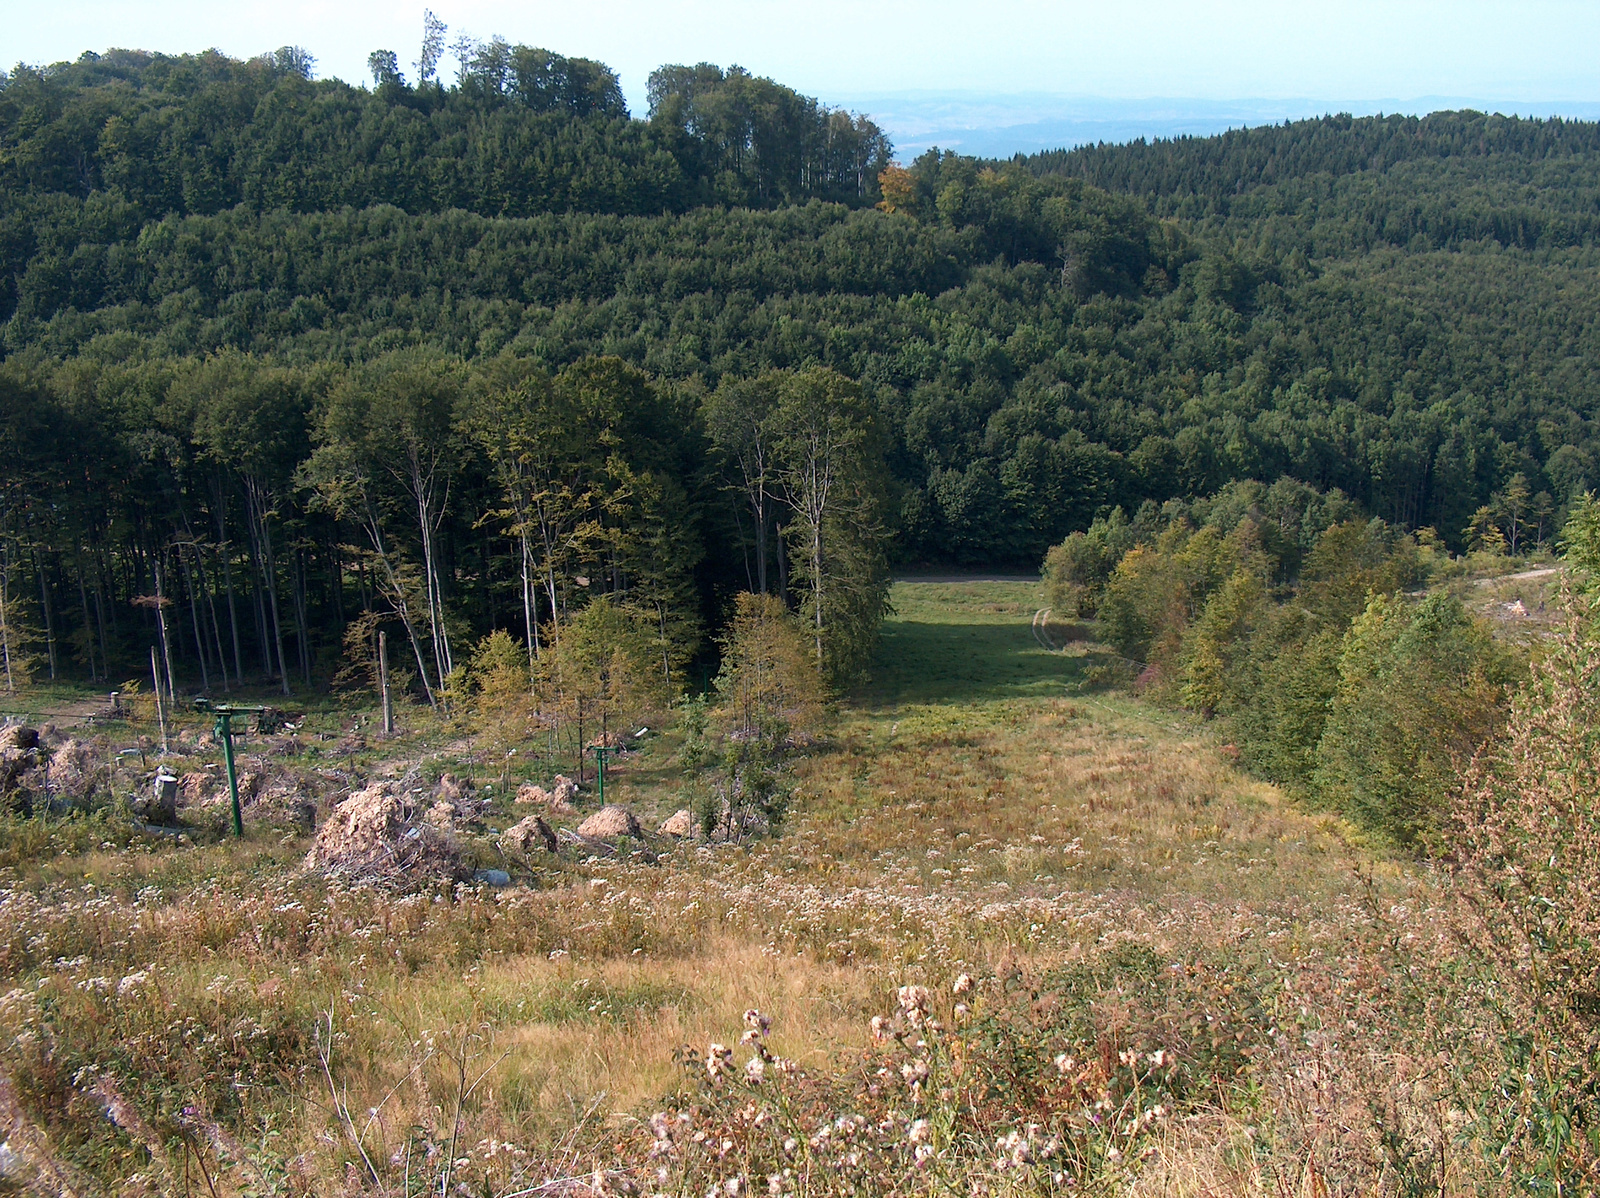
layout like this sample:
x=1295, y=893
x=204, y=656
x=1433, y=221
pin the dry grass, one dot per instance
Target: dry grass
x=976, y=810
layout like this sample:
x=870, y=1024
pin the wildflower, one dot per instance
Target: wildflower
x=719, y=1058
x=919, y=1132
x=1159, y=1058
x=1128, y=1057
x=962, y=1010
x=914, y=1072
x=962, y=984
x=879, y=1027
x=914, y=1003
x=1064, y=1063
x=754, y=1069
x=132, y=982
x=758, y=1023
x=922, y=1154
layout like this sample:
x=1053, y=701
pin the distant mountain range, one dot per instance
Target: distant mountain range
x=996, y=125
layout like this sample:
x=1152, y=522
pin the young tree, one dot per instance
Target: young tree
x=1420, y=689
x=830, y=466
x=769, y=698
x=1512, y=506
x=598, y=676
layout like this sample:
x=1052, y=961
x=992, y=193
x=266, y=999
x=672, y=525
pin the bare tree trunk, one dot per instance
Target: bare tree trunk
x=528, y=602
x=224, y=553
x=422, y=491
x=161, y=626
x=383, y=683
x=257, y=595
x=194, y=616
x=48, y=610
x=257, y=495
x=100, y=611
x=161, y=712
x=211, y=608
x=397, y=600
x=300, y=613
x=88, y=623
x=6, y=630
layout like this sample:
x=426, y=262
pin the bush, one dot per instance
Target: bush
x=1420, y=689
x=1525, y=838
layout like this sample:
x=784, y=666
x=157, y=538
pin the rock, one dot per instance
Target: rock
x=680, y=824
x=557, y=800
x=18, y=736
x=492, y=877
x=529, y=834
x=609, y=822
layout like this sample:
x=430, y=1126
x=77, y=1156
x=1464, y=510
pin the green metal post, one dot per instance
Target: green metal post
x=600, y=752
x=225, y=731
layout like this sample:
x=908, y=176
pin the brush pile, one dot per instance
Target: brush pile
x=381, y=834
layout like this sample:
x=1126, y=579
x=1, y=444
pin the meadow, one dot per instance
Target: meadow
x=1020, y=933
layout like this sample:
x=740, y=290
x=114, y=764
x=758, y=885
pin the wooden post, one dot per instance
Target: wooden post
x=383, y=682
x=161, y=711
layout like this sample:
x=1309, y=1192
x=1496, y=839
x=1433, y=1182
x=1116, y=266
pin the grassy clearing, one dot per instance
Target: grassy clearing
x=977, y=810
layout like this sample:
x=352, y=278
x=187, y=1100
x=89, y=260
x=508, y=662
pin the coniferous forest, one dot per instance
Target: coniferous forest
x=288, y=361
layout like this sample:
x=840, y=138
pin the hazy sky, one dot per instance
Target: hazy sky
x=1351, y=50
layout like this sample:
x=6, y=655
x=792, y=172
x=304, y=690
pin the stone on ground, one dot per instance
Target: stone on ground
x=557, y=800
x=680, y=824
x=609, y=822
x=529, y=835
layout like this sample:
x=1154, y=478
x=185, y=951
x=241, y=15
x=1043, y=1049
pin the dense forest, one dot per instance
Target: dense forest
x=286, y=360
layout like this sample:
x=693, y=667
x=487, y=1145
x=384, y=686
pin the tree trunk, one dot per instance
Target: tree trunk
x=300, y=613
x=211, y=609
x=161, y=628
x=225, y=555
x=194, y=616
x=783, y=567
x=528, y=603
x=88, y=623
x=47, y=609
x=258, y=496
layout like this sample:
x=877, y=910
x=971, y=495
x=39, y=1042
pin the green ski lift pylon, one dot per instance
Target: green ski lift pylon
x=601, y=752
x=224, y=729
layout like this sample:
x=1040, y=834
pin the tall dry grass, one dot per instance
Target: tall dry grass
x=207, y=1019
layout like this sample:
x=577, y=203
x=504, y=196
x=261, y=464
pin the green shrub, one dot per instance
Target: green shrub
x=1420, y=689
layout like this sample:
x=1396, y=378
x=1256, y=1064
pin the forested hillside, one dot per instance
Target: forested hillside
x=265, y=335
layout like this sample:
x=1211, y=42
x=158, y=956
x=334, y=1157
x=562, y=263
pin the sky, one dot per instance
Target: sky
x=986, y=71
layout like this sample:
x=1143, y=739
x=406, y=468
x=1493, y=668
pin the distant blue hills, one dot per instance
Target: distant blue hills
x=996, y=125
